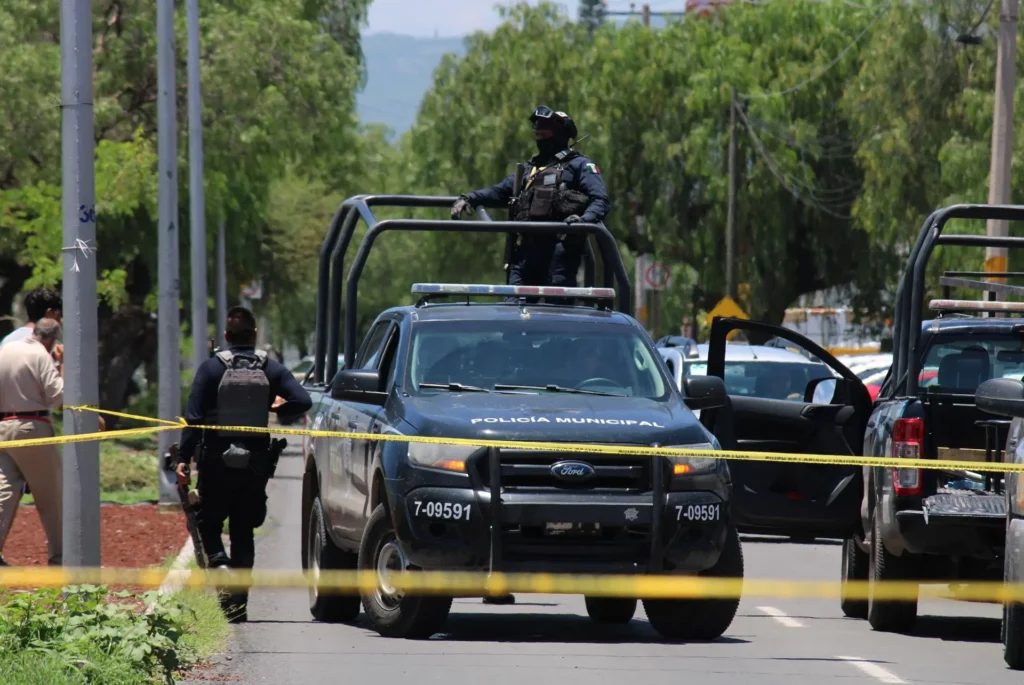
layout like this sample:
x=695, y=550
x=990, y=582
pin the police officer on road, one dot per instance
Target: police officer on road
x=559, y=184
x=235, y=387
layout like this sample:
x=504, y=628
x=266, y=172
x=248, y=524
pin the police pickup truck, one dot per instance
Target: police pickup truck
x=897, y=524
x=569, y=369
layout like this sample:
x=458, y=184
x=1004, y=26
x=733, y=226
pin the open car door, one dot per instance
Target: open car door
x=792, y=397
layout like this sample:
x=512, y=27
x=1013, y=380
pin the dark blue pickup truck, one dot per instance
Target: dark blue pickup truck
x=569, y=368
x=927, y=525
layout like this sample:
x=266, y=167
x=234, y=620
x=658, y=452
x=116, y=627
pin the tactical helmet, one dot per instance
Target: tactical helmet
x=564, y=120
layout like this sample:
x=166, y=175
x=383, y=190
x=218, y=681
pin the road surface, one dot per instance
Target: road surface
x=548, y=639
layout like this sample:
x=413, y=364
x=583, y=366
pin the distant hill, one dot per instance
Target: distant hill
x=400, y=70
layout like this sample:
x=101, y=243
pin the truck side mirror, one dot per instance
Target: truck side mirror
x=704, y=392
x=1004, y=396
x=359, y=385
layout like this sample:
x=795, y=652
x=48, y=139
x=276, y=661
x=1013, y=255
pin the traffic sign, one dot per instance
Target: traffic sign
x=727, y=307
x=656, y=276
x=253, y=290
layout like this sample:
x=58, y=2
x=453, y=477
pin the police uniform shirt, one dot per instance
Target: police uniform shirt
x=579, y=174
x=202, y=401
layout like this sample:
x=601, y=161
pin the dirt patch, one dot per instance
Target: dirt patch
x=131, y=536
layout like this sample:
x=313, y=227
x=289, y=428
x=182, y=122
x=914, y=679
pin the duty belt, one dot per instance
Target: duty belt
x=43, y=415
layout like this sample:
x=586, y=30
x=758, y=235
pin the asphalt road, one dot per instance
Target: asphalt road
x=549, y=639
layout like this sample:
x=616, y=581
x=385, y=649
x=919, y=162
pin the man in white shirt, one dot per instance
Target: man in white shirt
x=30, y=386
x=39, y=304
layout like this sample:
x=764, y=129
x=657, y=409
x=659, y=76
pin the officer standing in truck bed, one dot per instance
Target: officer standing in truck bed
x=559, y=185
x=236, y=387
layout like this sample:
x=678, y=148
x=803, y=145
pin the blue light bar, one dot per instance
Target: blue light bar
x=513, y=291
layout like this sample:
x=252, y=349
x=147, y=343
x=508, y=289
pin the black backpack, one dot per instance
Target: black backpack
x=243, y=396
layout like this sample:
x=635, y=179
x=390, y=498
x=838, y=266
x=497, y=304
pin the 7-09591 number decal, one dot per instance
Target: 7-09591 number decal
x=448, y=511
x=698, y=512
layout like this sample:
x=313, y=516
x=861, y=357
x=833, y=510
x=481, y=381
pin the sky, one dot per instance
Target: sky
x=445, y=17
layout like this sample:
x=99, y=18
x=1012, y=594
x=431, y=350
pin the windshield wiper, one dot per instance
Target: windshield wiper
x=454, y=387
x=557, y=388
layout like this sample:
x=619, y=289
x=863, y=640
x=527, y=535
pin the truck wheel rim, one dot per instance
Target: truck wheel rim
x=389, y=559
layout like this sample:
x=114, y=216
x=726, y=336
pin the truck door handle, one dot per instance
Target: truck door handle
x=352, y=425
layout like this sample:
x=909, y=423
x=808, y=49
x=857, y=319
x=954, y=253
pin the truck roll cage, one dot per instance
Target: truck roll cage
x=907, y=316
x=339, y=237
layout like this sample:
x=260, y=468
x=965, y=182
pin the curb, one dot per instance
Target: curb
x=178, y=573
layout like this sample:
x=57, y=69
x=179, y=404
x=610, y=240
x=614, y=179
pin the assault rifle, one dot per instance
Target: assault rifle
x=189, y=504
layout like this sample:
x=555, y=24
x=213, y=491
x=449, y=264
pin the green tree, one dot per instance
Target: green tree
x=278, y=88
x=656, y=104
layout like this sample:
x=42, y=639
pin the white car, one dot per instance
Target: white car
x=756, y=370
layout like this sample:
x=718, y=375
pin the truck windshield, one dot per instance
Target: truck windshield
x=767, y=379
x=961, y=365
x=602, y=358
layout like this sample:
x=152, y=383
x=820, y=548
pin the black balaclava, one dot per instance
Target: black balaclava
x=549, y=147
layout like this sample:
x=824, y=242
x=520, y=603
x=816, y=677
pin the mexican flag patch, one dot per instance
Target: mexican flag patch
x=593, y=168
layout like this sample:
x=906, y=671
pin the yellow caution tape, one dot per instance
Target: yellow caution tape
x=134, y=417
x=85, y=437
x=587, y=448
x=470, y=584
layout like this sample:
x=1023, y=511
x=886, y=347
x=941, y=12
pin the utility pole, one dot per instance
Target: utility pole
x=197, y=201
x=1002, y=133
x=645, y=13
x=168, y=278
x=81, y=472
x=730, y=220
x=222, y=286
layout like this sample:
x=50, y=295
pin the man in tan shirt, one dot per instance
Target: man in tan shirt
x=30, y=386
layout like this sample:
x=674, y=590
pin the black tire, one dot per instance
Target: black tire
x=889, y=616
x=856, y=567
x=700, y=619
x=392, y=614
x=330, y=606
x=1013, y=617
x=610, y=609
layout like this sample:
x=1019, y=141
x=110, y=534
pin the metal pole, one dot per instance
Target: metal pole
x=730, y=220
x=647, y=15
x=168, y=324
x=222, y=287
x=197, y=201
x=81, y=472
x=1002, y=133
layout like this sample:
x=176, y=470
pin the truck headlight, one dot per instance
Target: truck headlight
x=444, y=457
x=687, y=466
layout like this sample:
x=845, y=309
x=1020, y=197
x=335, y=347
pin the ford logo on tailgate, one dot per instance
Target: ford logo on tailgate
x=577, y=471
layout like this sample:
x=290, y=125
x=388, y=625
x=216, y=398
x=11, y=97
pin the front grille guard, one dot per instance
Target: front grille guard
x=495, y=526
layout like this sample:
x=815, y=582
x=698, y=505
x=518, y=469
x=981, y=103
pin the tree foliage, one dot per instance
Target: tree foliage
x=278, y=82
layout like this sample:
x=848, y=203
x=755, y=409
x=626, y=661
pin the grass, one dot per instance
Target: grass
x=201, y=624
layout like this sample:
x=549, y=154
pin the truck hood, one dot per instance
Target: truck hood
x=555, y=417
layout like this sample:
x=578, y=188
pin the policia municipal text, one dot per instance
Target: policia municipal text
x=235, y=387
x=559, y=184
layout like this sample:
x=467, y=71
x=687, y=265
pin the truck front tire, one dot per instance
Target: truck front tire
x=330, y=606
x=1013, y=612
x=701, y=619
x=610, y=609
x=856, y=568
x=392, y=613
x=889, y=616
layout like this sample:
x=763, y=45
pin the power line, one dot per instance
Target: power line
x=792, y=185
x=828, y=67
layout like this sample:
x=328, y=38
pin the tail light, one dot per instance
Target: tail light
x=908, y=443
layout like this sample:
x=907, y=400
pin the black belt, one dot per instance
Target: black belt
x=10, y=414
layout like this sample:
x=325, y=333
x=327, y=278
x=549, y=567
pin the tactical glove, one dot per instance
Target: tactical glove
x=461, y=206
x=574, y=219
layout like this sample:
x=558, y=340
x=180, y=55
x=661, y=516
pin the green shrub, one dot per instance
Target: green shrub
x=77, y=635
